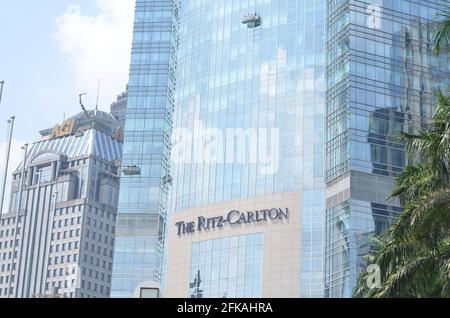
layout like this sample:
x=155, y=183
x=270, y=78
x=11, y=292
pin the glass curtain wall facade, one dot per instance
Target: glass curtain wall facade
x=227, y=268
x=146, y=173
x=270, y=76
x=381, y=76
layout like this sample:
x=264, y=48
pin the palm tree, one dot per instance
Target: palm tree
x=414, y=254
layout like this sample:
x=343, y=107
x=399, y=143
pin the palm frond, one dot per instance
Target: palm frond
x=442, y=34
x=414, y=181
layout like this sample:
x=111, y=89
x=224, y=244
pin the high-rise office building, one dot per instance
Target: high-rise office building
x=57, y=239
x=119, y=108
x=282, y=134
x=381, y=77
x=145, y=174
x=255, y=71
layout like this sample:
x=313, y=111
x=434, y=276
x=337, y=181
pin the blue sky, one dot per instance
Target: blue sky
x=50, y=51
x=36, y=71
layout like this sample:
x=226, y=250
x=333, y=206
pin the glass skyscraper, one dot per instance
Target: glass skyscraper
x=382, y=77
x=268, y=75
x=330, y=82
x=145, y=167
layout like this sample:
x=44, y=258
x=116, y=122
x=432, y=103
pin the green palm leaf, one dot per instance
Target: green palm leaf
x=442, y=36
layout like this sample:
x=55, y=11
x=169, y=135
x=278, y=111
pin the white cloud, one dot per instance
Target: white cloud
x=98, y=47
x=15, y=158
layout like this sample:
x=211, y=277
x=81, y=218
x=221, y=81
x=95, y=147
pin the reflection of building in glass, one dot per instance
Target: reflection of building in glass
x=58, y=238
x=386, y=152
x=381, y=78
x=145, y=175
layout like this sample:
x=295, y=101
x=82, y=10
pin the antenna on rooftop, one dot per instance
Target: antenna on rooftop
x=98, y=94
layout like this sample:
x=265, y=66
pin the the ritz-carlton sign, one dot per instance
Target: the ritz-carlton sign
x=232, y=218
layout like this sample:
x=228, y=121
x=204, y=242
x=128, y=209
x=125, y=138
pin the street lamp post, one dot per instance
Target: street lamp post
x=8, y=151
x=2, y=83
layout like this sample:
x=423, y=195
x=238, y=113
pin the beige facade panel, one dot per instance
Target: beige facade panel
x=281, y=243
